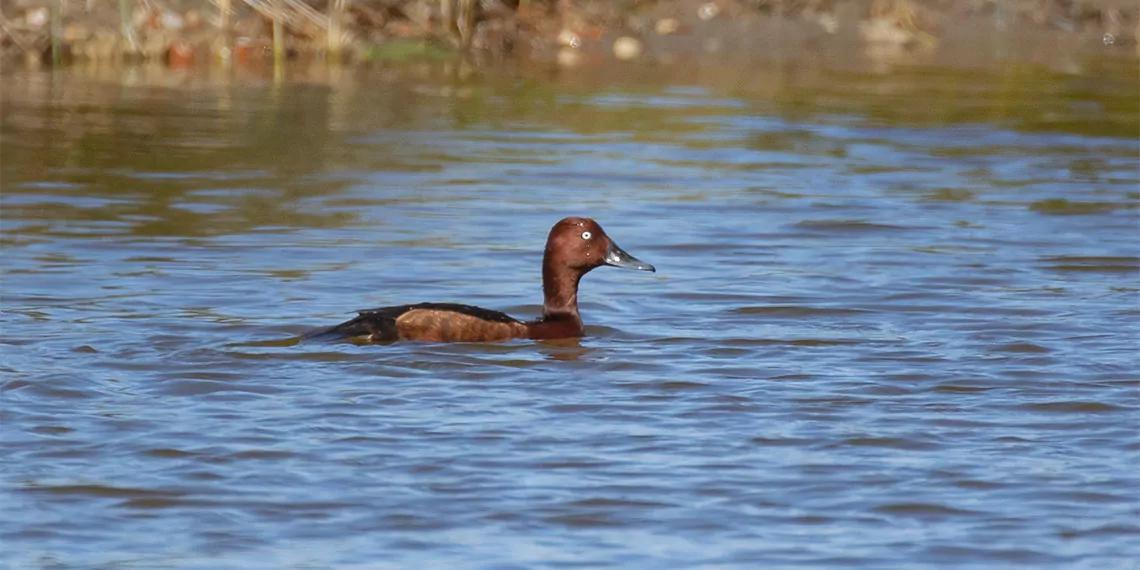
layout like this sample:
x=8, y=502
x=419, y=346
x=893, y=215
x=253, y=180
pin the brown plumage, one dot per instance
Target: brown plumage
x=574, y=247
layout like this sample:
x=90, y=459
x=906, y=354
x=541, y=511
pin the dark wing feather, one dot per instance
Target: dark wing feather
x=380, y=324
x=377, y=324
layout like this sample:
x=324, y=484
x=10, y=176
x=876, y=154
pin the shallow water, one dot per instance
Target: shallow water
x=894, y=322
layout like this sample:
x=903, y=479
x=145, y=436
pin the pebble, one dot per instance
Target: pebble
x=36, y=17
x=171, y=20
x=627, y=48
x=708, y=11
x=569, y=39
x=666, y=26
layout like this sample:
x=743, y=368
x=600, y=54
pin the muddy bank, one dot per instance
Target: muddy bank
x=186, y=33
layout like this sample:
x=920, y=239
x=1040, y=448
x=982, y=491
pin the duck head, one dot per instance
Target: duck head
x=580, y=245
x=575, y=247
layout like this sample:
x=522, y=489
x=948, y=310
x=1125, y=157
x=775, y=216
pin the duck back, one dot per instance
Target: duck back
x=434, y=322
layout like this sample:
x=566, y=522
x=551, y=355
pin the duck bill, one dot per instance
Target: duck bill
x=617, y=257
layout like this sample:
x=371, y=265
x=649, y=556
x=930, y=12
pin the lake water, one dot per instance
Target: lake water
x=894, y=324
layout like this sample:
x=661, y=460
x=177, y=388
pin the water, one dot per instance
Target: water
x=894, y=323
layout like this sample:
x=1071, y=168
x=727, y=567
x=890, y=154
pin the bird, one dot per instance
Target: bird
x=574, y=247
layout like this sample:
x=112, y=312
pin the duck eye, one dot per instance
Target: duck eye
x=587, y=235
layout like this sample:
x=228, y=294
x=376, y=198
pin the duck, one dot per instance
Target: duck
x=574, y=247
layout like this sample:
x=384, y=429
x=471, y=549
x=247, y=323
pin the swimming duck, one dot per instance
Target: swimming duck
x=574, y=247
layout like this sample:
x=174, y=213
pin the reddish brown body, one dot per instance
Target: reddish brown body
x=574, y=247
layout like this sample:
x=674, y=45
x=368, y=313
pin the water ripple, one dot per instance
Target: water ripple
x=878, y=336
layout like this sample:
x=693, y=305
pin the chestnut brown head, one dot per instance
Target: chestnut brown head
x=581, y=244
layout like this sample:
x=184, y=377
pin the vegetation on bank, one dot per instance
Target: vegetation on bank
x=189, y=32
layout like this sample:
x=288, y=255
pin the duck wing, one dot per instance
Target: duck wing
x=439, y=322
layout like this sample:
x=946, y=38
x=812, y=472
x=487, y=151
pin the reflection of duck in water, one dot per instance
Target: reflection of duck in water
x=575, y=247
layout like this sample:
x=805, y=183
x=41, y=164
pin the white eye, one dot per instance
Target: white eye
x=587, y=235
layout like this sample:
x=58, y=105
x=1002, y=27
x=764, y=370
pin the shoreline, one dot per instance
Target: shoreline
x=183, y=34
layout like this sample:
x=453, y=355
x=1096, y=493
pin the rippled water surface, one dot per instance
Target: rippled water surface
x=894, y=323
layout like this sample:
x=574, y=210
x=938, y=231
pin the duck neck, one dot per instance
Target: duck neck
x=560, y=292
